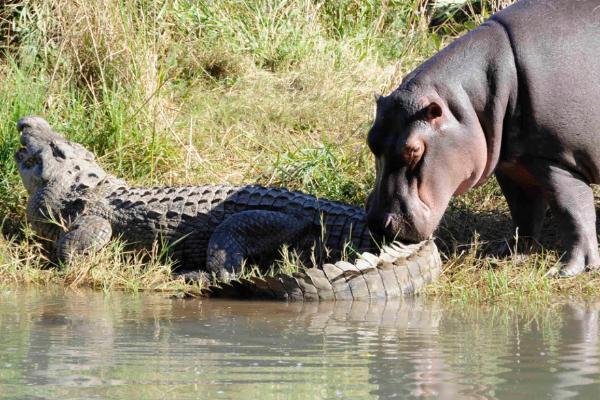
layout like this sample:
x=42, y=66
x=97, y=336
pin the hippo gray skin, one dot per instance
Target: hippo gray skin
x=518, y=97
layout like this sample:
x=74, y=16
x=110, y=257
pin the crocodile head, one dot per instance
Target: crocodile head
x=45, y=157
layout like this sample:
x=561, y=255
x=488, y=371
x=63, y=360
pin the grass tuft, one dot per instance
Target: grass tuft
x=323, y=171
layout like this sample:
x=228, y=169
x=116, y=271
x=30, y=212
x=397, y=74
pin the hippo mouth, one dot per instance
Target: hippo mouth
x=397, y=226
x=401, y=226
x=407, y=222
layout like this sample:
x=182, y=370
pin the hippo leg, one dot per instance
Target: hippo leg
x=527, y=207
x=572, y=202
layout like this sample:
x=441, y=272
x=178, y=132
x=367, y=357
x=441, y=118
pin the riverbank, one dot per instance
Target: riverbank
x=159, y=90
x=467, y=277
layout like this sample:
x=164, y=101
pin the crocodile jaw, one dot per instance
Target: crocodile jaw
x=45, y=156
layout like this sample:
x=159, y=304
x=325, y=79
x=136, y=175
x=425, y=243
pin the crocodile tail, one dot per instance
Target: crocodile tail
x=399, y=270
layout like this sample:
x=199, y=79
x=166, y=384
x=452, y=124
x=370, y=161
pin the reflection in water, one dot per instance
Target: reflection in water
x=578, y=367
x=67, y=344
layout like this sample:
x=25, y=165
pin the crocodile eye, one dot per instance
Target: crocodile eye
x=57, y=151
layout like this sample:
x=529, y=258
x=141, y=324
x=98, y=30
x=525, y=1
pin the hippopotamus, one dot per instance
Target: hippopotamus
x=517, y=97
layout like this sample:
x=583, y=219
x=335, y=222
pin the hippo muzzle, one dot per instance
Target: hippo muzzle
x=395, y=210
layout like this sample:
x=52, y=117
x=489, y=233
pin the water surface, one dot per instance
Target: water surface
x=65, y=344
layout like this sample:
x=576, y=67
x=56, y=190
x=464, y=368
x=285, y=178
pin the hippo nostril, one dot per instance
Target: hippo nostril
x=412, y=153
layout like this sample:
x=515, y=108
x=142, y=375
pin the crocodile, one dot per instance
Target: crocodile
x=79, y=207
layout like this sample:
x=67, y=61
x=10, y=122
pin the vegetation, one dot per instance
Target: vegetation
x=274, y=91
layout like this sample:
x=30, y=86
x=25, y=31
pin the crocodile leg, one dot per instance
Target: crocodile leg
x=87, y=232
x=252, y=234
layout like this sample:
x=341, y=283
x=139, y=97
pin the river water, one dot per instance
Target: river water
x=61, y=344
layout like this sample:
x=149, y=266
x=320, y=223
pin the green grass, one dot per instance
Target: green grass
x=278, y=92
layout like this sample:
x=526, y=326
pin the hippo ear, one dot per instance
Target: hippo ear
x=433, y=111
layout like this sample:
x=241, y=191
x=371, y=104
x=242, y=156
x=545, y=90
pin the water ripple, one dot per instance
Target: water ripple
x=85, y=345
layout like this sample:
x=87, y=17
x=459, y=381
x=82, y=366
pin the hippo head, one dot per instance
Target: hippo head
x=426, y=151
x=45, y=157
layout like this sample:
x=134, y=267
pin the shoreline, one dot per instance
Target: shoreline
x=467, y=278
